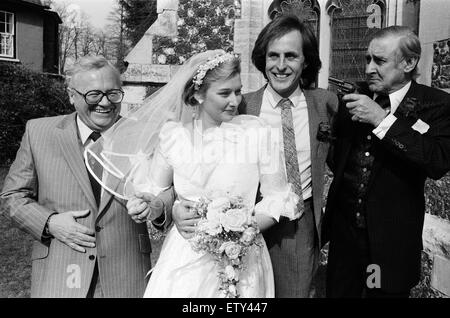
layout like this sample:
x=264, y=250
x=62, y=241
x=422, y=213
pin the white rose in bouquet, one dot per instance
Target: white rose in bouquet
x=235, y=219
x=211, y=227
x=230, y=273
x=231, y=249
x=248, y=235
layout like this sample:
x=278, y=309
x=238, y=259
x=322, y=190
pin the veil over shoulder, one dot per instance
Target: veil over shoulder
x=130, y=143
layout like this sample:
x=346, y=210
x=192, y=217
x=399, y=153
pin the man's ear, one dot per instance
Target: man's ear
x=70, y=92
x=409, y=64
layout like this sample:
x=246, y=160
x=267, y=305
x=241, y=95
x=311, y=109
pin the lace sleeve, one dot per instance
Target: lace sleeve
x=278, y=197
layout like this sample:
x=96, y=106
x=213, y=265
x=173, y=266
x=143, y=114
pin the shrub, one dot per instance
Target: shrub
x=24, y=95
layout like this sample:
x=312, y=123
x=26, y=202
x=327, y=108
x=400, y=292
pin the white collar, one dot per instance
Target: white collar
x=84, y=130
x=274, y=98
x=397, y=96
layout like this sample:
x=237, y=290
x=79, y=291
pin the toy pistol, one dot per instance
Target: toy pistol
x=343, y=86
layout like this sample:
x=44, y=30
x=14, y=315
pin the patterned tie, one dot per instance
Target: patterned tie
x=290, y=150
x=98, y=170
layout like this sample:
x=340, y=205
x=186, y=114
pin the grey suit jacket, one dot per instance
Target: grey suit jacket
x=322, y=108
x=49, y=175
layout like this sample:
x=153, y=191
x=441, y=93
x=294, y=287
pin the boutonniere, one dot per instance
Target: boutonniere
x=324, y=133
x=409, y=107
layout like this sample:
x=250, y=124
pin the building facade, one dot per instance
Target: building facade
x=29, y=35
x=343, y=28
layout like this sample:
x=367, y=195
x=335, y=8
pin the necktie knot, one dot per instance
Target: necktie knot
x=285, y=103
x=383, y=101
x=95, y=135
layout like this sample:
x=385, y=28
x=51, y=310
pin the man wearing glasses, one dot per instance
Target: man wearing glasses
x=86, y=245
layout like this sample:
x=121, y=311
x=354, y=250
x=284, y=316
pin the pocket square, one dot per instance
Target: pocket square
x=421, y=126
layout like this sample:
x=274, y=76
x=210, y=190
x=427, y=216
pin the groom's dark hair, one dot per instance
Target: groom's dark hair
x=277, y=28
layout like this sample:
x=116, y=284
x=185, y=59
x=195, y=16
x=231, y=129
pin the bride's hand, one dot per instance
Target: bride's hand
x=139, y=207
x=185, y=219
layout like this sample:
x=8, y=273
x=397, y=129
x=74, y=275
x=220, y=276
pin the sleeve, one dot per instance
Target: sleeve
x=20, y=191
x=162, y=222
x=381, y=130
x=155, y=174
x=278, y=198
x=424, y=141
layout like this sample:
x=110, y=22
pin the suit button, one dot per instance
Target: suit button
x=364, y=169
x=367, y=154
x=98, y=228
x=369, y=137
x=91, y=257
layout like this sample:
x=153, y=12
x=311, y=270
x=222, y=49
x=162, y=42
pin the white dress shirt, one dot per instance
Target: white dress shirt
x=272, y=115
x=395, y=98
x=84, y=133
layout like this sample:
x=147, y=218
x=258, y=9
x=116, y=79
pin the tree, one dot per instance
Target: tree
x=139, y=15
x=116, y=29
x=77, y=37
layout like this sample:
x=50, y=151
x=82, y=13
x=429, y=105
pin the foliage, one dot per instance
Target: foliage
x=202, y=25
x=139, y=15
x=423, y=289
x=25, y=95
x=437, y=197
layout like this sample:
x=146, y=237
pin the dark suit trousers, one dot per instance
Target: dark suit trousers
x=348, y=258
x=294, y=251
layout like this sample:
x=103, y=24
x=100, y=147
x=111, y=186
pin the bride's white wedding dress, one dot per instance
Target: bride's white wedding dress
x=218, y=160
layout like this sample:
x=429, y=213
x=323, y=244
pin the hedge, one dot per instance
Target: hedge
x=24, y=95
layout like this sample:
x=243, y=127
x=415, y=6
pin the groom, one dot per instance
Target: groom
x=85, y=243
x=286, y=52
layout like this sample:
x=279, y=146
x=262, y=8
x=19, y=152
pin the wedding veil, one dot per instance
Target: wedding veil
x=130, y=143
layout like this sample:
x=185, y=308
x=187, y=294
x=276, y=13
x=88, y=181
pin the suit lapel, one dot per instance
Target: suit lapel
x=253, y=102
x=104, y=202
x=414, y=91
x=72, y=151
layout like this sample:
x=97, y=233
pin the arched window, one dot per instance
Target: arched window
x=307, y=10
x=352, y=24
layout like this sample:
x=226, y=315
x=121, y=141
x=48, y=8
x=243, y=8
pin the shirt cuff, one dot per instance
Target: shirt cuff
x=381, y=130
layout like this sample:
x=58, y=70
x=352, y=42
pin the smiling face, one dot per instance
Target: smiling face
x=285, y=63
x=220, y=101
x=386, y=71
x=103, y=115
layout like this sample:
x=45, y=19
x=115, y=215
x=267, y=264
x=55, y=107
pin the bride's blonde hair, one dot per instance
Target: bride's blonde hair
x=221, y=72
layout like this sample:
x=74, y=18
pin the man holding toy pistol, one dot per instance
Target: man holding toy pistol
x=390, y=136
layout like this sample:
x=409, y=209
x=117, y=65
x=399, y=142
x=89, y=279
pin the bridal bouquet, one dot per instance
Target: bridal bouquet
x=226, y=230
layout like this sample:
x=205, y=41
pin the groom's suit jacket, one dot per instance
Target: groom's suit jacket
x=49, y=175
x=395, y=203
x=322, y=106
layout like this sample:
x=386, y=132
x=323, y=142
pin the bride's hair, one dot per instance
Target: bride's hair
x=223, y=71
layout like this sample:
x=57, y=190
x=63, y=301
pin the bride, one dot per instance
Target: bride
x=205, y=149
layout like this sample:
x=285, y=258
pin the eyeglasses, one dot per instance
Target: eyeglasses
x=94, y=97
